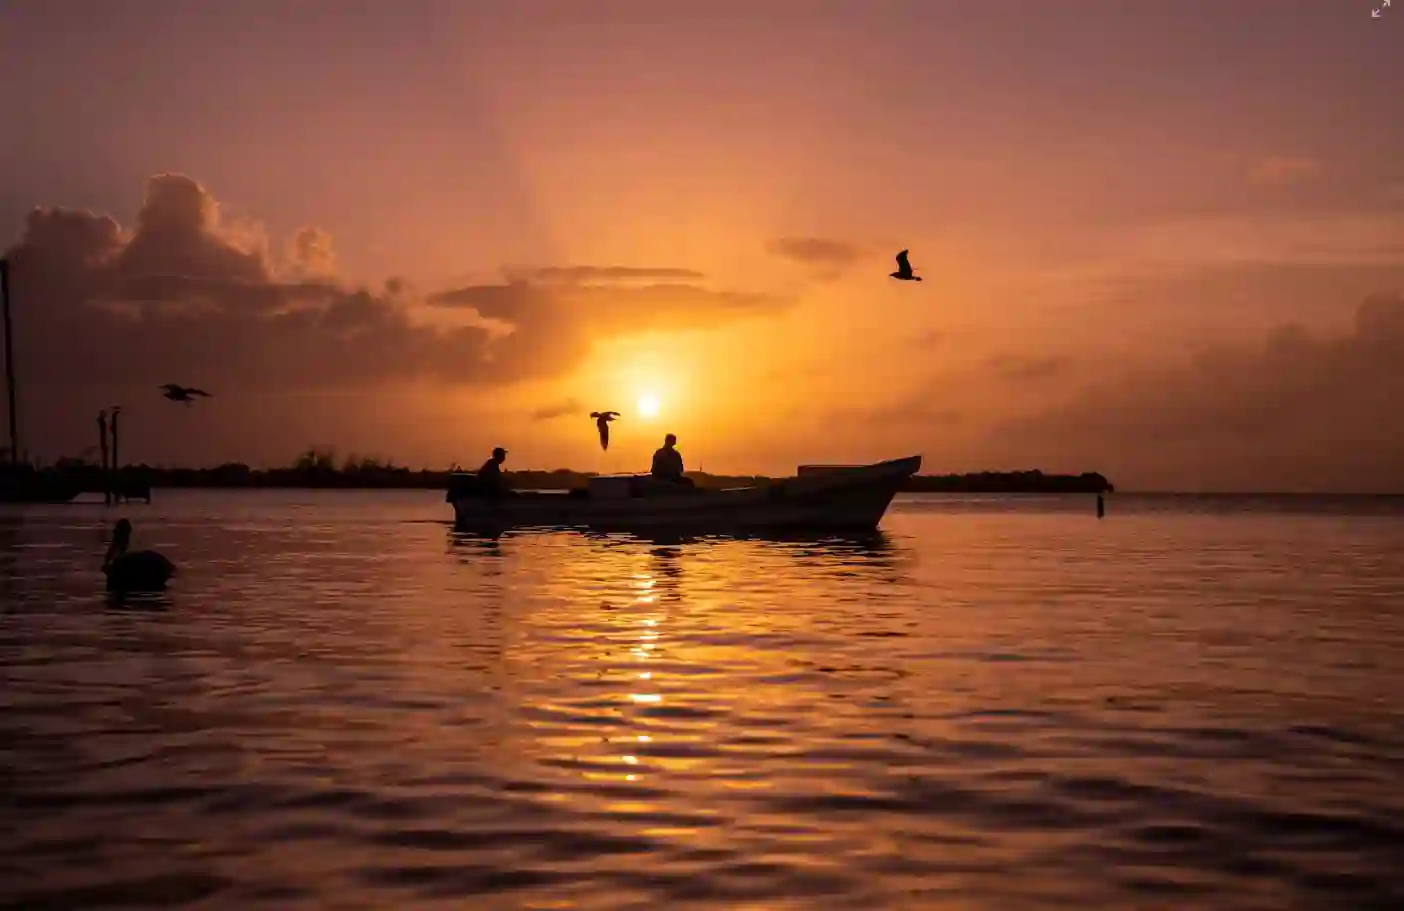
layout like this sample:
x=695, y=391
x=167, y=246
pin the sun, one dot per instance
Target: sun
x=649, y=405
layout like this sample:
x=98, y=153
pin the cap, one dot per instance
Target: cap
x=499, y=451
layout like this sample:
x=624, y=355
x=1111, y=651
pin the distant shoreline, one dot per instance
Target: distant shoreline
x=1134, y=493
x=373, y=476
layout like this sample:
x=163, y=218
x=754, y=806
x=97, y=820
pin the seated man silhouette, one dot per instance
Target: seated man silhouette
x=668, y=464
x=491, y=484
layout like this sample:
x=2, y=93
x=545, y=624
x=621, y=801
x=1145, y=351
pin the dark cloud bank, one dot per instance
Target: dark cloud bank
x=1295, y=412
x=182, y=297
x=185, y=298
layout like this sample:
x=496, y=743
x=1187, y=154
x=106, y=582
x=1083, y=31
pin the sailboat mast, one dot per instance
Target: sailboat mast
x=10, y=361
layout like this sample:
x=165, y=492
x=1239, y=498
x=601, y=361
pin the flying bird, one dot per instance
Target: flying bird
x=904, y=269
x=602, y=419
x=178, y=393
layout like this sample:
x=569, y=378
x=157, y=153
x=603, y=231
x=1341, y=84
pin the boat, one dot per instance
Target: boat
x=21, y=482
x=828, y=498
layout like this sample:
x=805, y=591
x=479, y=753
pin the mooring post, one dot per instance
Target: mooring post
x=104, y=476
x=116, y=483
x=10, y=361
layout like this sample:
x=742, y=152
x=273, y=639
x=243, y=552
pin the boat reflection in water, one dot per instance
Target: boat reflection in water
x=649, y=671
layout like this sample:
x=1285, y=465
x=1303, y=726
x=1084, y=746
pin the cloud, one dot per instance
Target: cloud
x=1294, y=411
x=1027, y=368
x=1279, y=170
x=830, y=257
x=188, y=296
x=579, y=275
x=816, y=250
x=565, y=409
x=610, y=309
x=312, y=253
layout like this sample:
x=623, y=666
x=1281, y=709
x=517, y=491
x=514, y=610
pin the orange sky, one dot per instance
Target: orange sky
x=1162, y=241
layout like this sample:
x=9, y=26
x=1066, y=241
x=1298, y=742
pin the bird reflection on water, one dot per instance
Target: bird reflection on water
x=138, y=601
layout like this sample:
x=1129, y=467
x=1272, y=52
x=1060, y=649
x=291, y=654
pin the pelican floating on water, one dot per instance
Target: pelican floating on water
x=137, y=570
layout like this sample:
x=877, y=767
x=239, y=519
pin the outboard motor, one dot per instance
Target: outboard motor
x=462, y=484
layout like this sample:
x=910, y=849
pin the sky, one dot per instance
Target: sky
x=1159, y=240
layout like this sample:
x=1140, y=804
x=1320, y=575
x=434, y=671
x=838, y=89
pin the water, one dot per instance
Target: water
x=998, y=703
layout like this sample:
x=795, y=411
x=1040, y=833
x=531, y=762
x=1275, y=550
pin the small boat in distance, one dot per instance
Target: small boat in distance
x=836, y=498
x=21, y=482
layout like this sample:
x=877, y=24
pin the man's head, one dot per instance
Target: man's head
x=670, y=441
x=499, y=455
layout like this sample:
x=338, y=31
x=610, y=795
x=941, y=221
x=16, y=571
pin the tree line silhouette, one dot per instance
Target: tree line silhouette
x=319, y=467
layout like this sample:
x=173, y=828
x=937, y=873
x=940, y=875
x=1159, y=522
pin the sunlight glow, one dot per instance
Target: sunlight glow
x=649, y=405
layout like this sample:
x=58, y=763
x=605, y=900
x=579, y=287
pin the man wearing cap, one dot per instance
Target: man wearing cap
x=490, y=480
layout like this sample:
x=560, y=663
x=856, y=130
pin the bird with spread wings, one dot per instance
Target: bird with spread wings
x=904, y=269
x=178, y=393
x=602, y=419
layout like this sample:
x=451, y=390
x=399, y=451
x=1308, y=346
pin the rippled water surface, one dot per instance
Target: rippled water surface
x=996, y=703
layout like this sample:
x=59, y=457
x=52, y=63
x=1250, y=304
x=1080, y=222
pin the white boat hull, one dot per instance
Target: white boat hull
x=851, y=498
